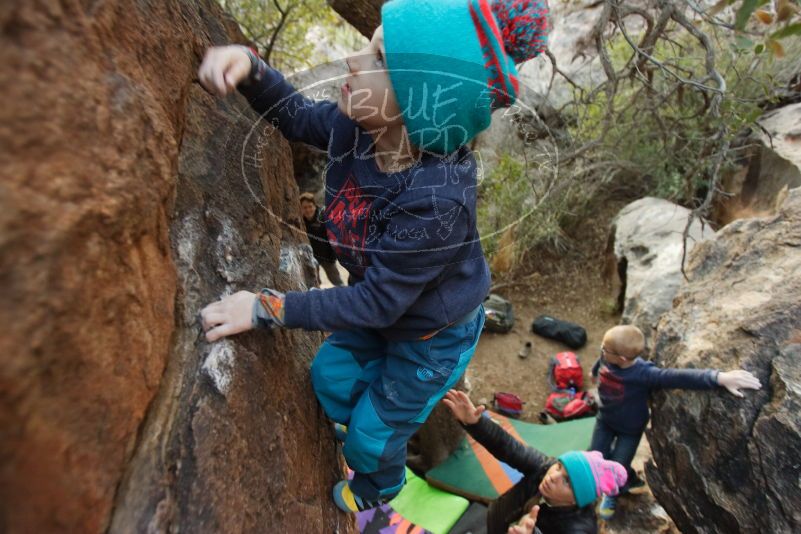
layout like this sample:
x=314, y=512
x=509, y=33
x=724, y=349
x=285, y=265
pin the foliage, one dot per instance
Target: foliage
x=680, y=83
x=294, y=34
x=663, y=128
x=522, y=205
x=777, y=20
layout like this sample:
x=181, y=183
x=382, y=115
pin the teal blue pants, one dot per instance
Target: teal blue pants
x=384, y=390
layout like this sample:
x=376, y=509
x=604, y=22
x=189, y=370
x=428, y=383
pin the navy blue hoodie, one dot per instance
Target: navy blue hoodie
x=409, y=238
x=624, y=392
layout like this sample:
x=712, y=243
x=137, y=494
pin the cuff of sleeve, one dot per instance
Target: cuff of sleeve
x=296, y=310
x=477, y=426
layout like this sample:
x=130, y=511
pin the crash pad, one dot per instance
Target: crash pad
x=472, y=472
x=473, y=521
x=418, y=509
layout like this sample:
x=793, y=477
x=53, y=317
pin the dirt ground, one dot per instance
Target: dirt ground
x=574, y=288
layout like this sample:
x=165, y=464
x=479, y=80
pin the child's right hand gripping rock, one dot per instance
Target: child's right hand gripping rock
x=462, y=407
x=223, y=68
x=734, y=381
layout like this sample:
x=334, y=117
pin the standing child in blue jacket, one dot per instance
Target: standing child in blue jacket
x=626, y=380
x=400, y=214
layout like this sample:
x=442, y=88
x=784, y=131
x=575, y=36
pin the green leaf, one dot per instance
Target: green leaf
x=787, y=31
x=745, y=11
x=758, y=49
x=743, y=42
x=753, y=116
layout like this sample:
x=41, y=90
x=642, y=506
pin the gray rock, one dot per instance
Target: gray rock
x=770, y=169
x=781, y=131
x=723, y=464
x=648, y=245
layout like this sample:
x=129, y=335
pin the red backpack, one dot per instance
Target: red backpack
x=563, y=405
x=565, y=372
x=508, y=403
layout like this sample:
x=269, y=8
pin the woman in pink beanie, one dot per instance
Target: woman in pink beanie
x=555, y=494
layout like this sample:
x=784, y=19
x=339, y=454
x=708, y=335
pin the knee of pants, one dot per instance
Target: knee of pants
x=331, y=366
x=368, y=438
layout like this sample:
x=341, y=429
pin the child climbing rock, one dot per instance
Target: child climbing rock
x=626, y=380
x=564, y=488
x=400, y=214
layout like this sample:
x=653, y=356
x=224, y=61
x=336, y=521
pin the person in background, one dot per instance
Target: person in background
x=315, y=229
x=626, y=381
x=555, y=495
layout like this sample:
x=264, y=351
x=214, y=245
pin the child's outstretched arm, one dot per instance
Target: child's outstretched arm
x=733, y=381
x=228, y=68
x=491, y=436
x=403, y=264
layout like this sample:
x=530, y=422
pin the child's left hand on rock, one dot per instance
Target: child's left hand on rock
x=734, y=381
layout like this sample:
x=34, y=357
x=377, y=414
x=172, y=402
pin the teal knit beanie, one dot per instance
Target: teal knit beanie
x=452, y=63
x=590, y=475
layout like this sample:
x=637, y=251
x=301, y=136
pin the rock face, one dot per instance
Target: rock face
x=571, y=43
x=771, y=169
x=728, y=465
x=130, y=199
x=782, y=132
x=648, y=246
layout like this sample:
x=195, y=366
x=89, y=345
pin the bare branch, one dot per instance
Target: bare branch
x=698, y=34
x=284, y=12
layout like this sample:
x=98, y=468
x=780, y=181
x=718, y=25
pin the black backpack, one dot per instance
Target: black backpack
x=572, y=335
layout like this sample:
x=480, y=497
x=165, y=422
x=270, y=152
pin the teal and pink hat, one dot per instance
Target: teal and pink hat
x=591, y=476
x=452, y=62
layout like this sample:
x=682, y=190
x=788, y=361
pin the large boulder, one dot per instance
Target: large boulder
x=723, y=464
x=131, y=198
x=648, y=247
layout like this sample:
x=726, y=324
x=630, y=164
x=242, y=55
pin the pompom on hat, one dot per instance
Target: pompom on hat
x=452, y=62
x=591, y=476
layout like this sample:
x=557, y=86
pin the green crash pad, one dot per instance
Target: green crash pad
x=428, y=507
x=471, y=471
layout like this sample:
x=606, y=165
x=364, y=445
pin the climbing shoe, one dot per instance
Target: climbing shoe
x=608, y=505
x=346, y=501
x=341, y=432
